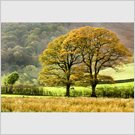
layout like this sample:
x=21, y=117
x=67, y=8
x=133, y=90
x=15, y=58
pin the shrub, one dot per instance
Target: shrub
x=12, y=78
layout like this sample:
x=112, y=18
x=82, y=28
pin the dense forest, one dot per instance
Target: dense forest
x=22, y=43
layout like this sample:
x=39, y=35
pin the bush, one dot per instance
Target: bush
x=23, y=90
x=12, y=78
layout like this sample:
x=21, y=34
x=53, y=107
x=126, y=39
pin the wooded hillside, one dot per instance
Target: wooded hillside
x=23, y=42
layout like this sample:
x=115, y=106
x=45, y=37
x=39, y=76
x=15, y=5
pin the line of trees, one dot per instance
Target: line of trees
x=77, y=57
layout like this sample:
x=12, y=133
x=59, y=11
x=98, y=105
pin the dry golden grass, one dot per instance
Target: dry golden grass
x=79, y=104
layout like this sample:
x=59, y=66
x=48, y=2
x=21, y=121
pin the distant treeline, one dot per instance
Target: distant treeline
x=21, y=43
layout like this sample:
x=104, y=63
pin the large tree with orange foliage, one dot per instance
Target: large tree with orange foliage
x=99, y=48
x=59, y=60
x=80, y=55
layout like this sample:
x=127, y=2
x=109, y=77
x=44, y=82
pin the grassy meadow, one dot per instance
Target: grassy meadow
x=79, y=104
x=118, y=97
x=124, y=72
x=80, y=101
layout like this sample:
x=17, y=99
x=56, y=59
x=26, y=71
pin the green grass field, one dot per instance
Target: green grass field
x=125, y=72
x=99, y=86
x=87, y=88
x=116, y=97
x=25, y=96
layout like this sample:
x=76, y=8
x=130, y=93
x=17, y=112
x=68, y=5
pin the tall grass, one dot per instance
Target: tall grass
x=61, y=104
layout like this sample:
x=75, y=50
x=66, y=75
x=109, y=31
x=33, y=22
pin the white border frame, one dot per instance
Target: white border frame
x=17, y=117
x=67, y=11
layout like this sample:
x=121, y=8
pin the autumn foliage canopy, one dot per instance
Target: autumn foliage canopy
x=78, y=57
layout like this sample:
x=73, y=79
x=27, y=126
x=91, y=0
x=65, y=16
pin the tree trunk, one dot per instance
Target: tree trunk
x=10, y=89
x=67, y=90
x=93, y=91
x=6, y=90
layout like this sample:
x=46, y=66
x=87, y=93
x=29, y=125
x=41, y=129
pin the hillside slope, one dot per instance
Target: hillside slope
x=22, y=43
x=125, y=72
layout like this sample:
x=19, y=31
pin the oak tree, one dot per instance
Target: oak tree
x=59, y=62
x=99, y=48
